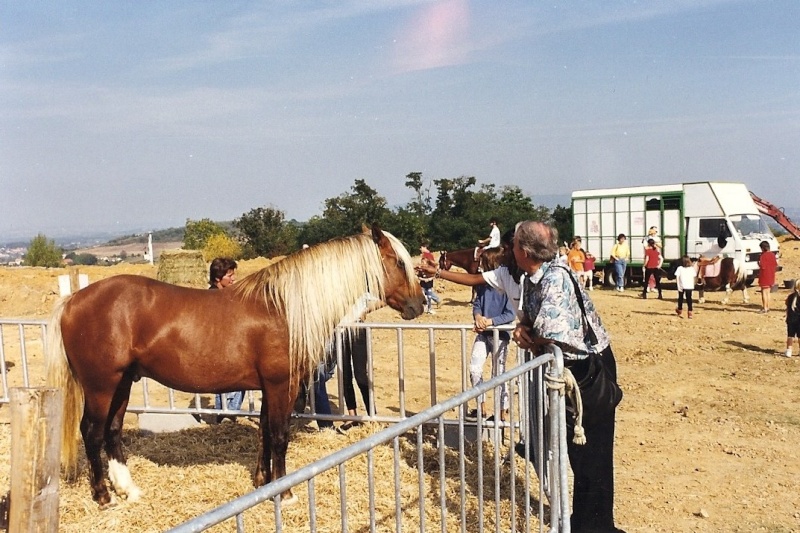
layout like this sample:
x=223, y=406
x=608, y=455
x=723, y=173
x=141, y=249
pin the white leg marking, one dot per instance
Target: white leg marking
x=120, y=477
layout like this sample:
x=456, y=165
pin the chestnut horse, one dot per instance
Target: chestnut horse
x=729, y=276
x=266, y=332
x=464, y=258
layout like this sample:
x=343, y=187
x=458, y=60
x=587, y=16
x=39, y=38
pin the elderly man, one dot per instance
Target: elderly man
x=557, y=311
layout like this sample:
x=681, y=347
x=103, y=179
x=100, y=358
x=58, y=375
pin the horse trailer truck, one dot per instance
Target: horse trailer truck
x=696, y=219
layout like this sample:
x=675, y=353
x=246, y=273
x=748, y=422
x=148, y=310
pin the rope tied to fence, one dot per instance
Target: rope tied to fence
x=568, y=386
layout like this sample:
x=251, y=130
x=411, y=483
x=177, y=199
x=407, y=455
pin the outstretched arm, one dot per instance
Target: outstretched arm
x=462, y=278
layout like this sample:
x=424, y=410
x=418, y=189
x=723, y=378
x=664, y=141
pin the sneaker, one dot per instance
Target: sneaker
x=591, y=288
x=788, y=353
x=431, y=312
x=762, y=311
x=689, y=315
x=678, y=312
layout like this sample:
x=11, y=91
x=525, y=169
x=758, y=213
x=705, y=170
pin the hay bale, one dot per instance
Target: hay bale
x=183, y=267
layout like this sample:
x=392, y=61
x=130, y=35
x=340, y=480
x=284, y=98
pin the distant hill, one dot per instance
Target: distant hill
x=162, y=235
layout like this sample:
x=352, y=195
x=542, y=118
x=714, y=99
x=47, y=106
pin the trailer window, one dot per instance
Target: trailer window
x=653, y=204
x=672, y=202
x=713, y=228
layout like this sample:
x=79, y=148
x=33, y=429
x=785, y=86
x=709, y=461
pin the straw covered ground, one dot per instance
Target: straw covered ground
x=707, y=434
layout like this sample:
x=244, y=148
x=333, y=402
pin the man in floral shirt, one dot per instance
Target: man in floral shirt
x=553, y=315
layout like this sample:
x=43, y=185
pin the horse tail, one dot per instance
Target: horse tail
x=741, y=274
x=60, y=375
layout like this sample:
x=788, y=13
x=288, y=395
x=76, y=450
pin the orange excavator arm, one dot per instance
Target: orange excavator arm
x=777, y=214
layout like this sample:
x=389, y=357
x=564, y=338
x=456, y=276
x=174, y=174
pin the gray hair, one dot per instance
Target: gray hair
x=538, y=240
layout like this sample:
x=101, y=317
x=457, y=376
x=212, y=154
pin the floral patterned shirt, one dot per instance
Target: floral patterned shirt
x=550, y=304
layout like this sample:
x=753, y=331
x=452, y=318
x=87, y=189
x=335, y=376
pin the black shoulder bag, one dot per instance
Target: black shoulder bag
x=600, y=392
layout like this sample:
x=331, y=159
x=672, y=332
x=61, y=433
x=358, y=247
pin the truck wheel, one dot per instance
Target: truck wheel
x=608, y=277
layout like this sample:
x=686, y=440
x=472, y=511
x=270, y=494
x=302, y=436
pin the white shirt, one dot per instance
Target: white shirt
x=685, y=277
x=501, y=280
x=494, y=238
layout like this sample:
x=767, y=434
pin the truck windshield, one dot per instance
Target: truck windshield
x=750, y=225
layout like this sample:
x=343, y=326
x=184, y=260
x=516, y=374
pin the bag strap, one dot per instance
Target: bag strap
x=579, y=296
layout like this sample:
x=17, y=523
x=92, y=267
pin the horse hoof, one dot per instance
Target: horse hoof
x=111, y=503
x=288, y=501
x=133, y=494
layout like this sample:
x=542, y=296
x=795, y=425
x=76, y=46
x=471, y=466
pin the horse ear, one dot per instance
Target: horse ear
x=365, y=228
x=377, y=234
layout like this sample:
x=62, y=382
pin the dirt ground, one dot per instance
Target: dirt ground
x=707, y=436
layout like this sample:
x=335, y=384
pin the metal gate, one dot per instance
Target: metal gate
x=510, y=494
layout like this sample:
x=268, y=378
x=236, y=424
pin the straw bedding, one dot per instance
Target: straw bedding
x=187, y=473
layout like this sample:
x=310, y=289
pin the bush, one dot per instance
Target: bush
x=221, y=245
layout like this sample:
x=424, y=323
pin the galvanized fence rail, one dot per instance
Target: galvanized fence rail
x=553, y=460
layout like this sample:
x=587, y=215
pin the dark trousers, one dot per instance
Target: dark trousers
x=354, y=364
x=656, y=273
x=592, y=463
x=322, y=404
x=688, y=293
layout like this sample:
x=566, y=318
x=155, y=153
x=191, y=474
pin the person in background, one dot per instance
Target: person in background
x=588, y=270
x=426, y=281
x=685, y=276
x=490, y=308
x=562, y=258
x=576, y=258
x=355, y=360
x=558, y=311
x=492, y=241
x=221, y=274
x=652, y=267
x=652, y=233
x=620, y=255
x=322, y=404
x=768, y=266
x=792, y=317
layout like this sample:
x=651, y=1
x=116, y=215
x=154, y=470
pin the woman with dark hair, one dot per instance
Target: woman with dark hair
x=221, y=274
x=620, y=255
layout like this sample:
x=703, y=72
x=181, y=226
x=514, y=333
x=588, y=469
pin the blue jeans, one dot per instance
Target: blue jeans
x=430, y=297
x=322, y=404
x=619, y=271
x=233, y=400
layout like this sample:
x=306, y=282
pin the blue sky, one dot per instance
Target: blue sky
x=139, y=115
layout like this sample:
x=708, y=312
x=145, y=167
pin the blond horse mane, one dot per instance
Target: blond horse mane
x=316, y=287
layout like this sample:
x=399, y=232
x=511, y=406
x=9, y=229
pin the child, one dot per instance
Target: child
x=490, y=308
x=652, y=262
x=767, y=265
x=426, y=282
x=588, y=269
x=792, y=317
x=685, y=275
x=562, y=255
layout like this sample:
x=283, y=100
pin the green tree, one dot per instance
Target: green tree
x=345, y=214
x=222, y=245
x=198, y=231
x=43, y=252
x=82, y=259
x=265, y=233
x=562, y=221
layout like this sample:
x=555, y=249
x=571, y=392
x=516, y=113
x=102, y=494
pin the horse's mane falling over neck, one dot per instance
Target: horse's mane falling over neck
x=316, y=287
